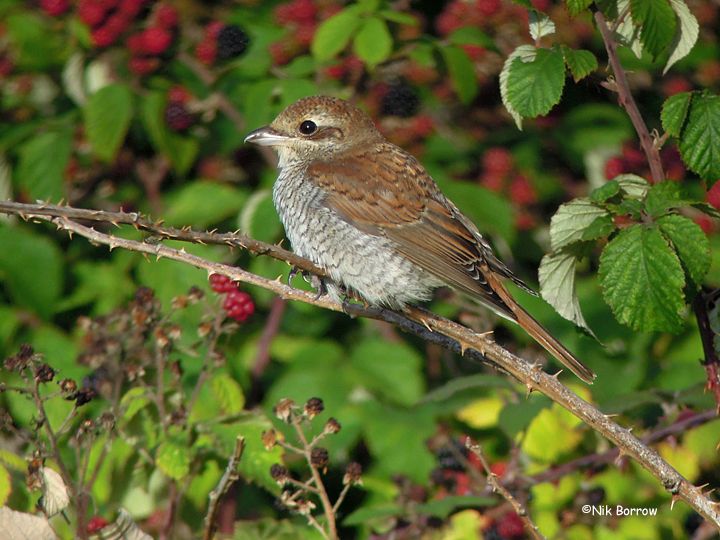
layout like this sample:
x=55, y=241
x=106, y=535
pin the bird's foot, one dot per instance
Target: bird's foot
x=294, y=271
x=319, y=285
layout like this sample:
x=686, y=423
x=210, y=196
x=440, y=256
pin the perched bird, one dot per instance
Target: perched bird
x=369, y=214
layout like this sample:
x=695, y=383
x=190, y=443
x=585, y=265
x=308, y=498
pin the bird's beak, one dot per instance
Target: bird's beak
x=266, y=136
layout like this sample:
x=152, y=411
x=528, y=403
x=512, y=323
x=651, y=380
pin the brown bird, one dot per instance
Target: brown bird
x=369, y=214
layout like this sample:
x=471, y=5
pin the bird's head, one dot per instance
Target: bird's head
x=317, y=128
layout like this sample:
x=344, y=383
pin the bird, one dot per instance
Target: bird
x=369, y=214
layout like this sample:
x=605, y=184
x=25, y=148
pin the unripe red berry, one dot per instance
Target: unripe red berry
x=497, y=160
x=614, y=166
x=634, y=158
x=6, y=66
x=130, y=8
x=221, y=284
x=103, y=36
x=166, y=16
x=179, y=94
x=54, y=7
x=91, y=12
x=706, y=223
x=213, y=29
x=422, y=125
x=206, y=51
x=510, y=526
x=156, y=40
x=335, y=72
x=540, y=5
x=522, y=191
x=177, y=117
x=305, y=33
x=136, y=44
x=713, y=195
x=494, y=181
x=96, y=524
x=143, y=66
x=303, y=11
x=475, y=52
x=488, y=7
x=675, y=85
x=238, y=305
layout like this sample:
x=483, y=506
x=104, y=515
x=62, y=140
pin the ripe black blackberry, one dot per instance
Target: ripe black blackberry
x=177, y=117
x=401, y=99
x=232, y=41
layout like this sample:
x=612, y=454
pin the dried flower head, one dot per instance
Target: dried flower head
x=305, y=507
x=319, y=458
x=269, y=439
x=332, y=426
x=353, y=473
x=195, y=294
x=68, y=387
x=279, y=473
x=284, y=408
x=44, y=373
x=313, y=407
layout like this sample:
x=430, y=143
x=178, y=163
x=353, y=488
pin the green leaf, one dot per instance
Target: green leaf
x=133, y=402
x=571, y=220
x=580, y=62
x=527, y=53
x=628, y=31
x=642, y=280
x=202, y=203
x=373, y=42
x=333, y=34
x=551, y=434
x=690, y=243
x=700, y=140
x=461, y=71
x=605, y=192
x=577, y=6
x=393, y=370
x=107, y=117
x=228, y=393
x=173, y=459
x=448, y=505
x=259, y=219
x=540, y=25
x=686, y=33
x=557, y=286
x=601, y=227
x=31, y=267
x=663, y=196
x=5, y=485
x=658, y=22
x=533, y=88
x=471, y=35
x=398, y=17
x=635, y=186
x=674, y=112
x=41, y=168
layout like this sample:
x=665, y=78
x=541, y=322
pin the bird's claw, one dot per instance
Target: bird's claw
x=320, y=287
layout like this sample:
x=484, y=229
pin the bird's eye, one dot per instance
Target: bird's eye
x=308, y=127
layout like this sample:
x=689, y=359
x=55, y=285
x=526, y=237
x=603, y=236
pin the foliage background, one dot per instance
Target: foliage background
x=82, y=125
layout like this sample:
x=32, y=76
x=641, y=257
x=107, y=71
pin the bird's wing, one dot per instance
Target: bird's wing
x=385, y=191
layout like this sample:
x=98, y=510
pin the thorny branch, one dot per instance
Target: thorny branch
x=426, y=325
x=229, y=477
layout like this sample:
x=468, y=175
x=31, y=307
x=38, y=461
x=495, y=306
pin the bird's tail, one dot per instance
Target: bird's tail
x=538, y=333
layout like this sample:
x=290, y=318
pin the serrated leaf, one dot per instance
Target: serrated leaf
x=628, y=31
x=605, y=192
x=173, y=459
x=333, y=34
x=657, y=21
x=540, y=25
x=228, y=393
x=686, y=33
x=663, y=196
x=700, y=140
x=635, y=186
x=373, y=42
x=571, y=219
x=642, y=280
x=551, y=434
x=690, y=243
x=42, y=162
x=535, y=87
x=577, y=6
x=55, y=497
x=526, y=52
x=461, y=71
x=580, y=62
x=674, y=112
x=557, y=286
x=107, y=117
x=601, y=227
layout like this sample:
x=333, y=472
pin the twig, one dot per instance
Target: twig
x=627, y=101
x=229, y=477
x=453, y=336
x=711, y=363
x=492, y=479
x=328, y=509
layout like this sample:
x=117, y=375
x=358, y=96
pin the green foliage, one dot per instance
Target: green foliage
x=657, y=21
x=534, y=87
x=107, y=117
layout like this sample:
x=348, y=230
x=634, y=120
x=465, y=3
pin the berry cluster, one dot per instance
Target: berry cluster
x=238, y=304
x=221, y=42
x=177, y=116
x=632, y=160
x=460, y=13
x=508, y=526
x=499, y=174
x=301, y=18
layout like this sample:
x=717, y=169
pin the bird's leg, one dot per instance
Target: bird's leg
x=294, y=271
x=319, y=285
